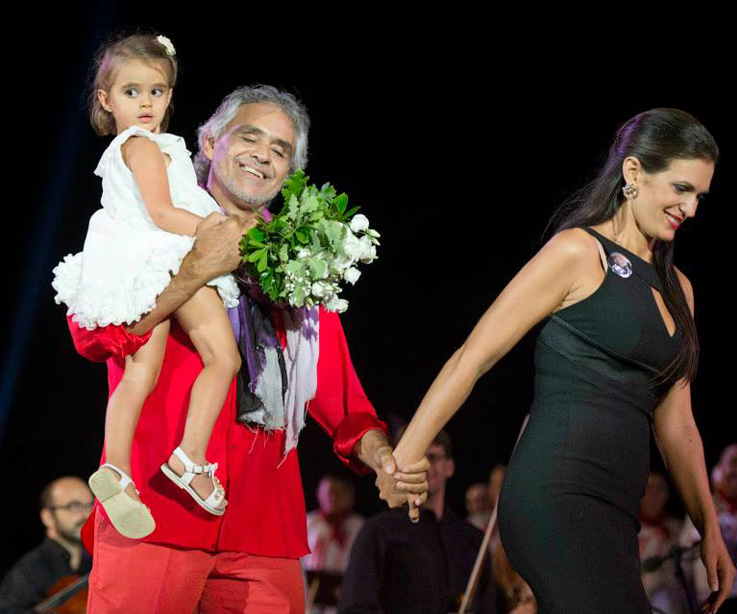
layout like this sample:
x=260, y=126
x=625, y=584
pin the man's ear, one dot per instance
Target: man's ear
x=208, y=148
x=47, y=518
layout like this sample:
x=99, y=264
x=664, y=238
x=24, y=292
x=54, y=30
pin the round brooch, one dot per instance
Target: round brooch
x=620, y=264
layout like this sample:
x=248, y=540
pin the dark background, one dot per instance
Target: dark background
x=458, y=146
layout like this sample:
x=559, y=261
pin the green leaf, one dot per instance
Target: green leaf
x=310, y=202
x=284, y=253
x=302, y=236
x=256, y=255
x=341, y=202
x=299, y=296
x=350, y=213
x=294, y=184
x=327, y=192
x=257, y=234
x=318, y=266
x=263, y=260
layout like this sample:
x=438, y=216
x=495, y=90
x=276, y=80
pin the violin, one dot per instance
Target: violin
x=68, y=595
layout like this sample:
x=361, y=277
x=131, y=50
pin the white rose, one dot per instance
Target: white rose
x=318, y=289
x=341, y=263
x=342, y=305
x=331, y=304
x=352, y=246
x=369, y=255
x=359, y=222
x=368, y=251
x=351, y=275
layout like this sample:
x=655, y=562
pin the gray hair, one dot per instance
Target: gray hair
x=214, y=127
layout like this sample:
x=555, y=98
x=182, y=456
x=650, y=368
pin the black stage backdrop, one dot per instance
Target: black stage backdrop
x=458, y=152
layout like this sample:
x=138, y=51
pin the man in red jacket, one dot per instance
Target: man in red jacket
x=246, y=560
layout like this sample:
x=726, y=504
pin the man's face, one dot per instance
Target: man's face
x=441, y=468
x=333, y=497
x=250, y=161
x=72, y=502
x=477, y=499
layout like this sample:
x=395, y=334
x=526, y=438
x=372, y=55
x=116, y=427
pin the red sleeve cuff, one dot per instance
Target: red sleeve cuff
x=348, y=434
x=108, y=342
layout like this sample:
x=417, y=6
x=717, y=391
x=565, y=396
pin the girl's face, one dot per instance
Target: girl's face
x=138, y=96
x=666, y=199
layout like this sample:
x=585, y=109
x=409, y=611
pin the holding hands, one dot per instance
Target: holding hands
x=397, y=485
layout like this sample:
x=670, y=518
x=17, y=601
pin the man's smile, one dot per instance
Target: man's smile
x=247, y=168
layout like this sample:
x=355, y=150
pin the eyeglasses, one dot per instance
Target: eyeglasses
x=74, y=506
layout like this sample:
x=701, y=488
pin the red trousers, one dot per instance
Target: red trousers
x=130, y=576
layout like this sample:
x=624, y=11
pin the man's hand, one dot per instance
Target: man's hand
x=215, y=253
x=399, y=487
x=215, y=250
x=395, y=487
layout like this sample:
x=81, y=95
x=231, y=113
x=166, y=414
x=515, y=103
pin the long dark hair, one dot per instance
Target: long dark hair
x=655, y=138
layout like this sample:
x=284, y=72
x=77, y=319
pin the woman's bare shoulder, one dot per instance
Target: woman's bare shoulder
x=573, y=245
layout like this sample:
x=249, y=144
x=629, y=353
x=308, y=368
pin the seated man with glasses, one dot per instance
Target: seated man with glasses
x=418, y=568
x=65, y=505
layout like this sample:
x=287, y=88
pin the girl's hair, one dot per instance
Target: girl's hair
x=655, y=138
x=108, y=60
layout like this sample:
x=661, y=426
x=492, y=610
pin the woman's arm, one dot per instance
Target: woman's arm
x=680, y=446
x=566, y=266
x=148, y=165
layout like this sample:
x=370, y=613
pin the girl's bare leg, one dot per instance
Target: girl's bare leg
x=205, y=320
x=125, y=404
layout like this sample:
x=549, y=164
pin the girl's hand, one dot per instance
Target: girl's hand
x=720, y=571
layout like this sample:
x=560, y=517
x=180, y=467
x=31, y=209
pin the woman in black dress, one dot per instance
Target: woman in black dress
x=615, y=357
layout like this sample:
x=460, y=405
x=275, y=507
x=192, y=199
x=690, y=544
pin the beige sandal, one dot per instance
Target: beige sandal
x=130, y=518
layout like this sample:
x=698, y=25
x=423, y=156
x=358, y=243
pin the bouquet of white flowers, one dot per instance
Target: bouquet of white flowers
x=308, y=248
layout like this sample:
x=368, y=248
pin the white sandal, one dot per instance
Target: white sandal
x=130, y=518
x=215, y=502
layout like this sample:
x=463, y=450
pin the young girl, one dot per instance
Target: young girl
x=135, y=243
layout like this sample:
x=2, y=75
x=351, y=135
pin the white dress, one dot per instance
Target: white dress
x=127, y=260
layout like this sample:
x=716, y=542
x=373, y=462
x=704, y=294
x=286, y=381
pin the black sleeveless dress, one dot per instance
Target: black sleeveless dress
x=568, y=511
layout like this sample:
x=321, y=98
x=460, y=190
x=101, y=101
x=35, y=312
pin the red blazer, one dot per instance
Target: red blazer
x=266, y=509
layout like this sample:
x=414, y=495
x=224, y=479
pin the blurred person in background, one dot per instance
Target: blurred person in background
x=331, y=531
x=65, y=504
x=333, y=527
x=418, y=568
x=478, y=505
x=658, y=534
